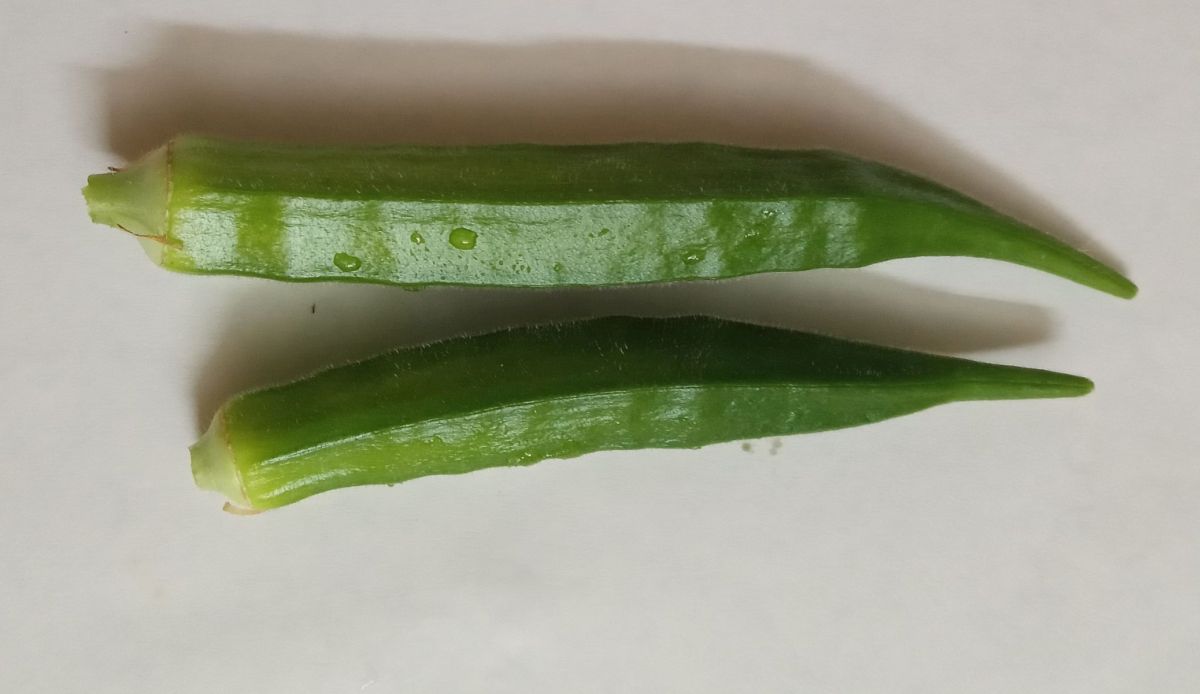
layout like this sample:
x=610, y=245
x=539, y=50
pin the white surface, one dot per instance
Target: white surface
x=1047, y=546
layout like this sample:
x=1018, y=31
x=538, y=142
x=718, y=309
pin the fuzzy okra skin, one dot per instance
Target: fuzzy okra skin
x=542, y=215
x=558, y=391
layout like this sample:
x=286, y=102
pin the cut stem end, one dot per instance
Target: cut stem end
x=213, y=466
x=134, y=198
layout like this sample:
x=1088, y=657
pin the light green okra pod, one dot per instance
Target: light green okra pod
x=544, y=216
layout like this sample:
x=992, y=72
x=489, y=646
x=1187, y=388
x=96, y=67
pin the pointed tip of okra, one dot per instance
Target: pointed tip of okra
x=213, y=466
x=996, y=382
x=1060, y=385
x=1025, y=245
x=1127, y=290
x=1109, y=280
x=1045, y=252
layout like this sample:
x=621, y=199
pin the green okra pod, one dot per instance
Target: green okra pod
x=543, y=216
x=558, y=391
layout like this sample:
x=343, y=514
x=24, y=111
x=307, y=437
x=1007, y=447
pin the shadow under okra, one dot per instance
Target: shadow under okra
x=348, y=90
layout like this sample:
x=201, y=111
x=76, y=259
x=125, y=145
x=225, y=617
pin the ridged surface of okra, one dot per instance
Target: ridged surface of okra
x=558, y=391
x=541, y=215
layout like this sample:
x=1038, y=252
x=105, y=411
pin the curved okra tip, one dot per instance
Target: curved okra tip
x=539, y=215
x=559, y=391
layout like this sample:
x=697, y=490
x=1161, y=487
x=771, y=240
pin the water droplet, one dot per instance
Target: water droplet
x=416, y=237
x=558, y=267
x=346, y=262
x=693, y=256
x=768, y=213
x=462, y=238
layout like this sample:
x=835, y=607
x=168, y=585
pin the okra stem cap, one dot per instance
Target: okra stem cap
x=213, y=466
x=134, y=199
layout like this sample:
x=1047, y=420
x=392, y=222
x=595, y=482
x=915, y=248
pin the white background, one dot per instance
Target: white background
x=1043, y=546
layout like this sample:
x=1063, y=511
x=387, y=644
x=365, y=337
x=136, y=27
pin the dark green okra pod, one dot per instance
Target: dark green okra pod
x=541, y=216
x=557, y=391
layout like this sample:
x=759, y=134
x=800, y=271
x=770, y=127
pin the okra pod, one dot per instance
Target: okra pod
x=557, y=391
x=544, y=216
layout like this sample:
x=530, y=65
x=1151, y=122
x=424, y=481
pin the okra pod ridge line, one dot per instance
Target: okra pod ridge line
x=519, y=396
x=546, y=215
